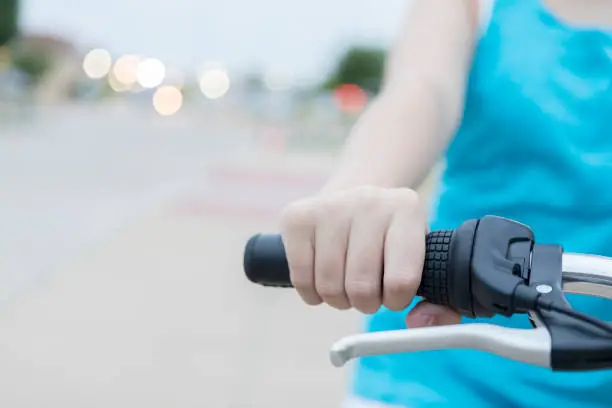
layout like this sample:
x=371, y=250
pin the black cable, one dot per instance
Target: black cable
x=576, y=315
x=527, y=298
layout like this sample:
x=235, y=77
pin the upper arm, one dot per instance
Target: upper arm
x=434, y=49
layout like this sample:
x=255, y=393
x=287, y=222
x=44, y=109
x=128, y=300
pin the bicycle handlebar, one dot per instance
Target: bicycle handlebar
x=486, y=267
x=266, y=264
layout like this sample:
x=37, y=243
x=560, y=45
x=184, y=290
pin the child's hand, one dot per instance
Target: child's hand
x=360, y=248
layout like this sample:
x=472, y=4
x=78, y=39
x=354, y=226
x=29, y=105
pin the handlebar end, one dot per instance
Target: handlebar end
x=247, y=262
x=338, y=357
x=265, y=262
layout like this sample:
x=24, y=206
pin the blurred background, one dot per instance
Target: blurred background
x=141, y=144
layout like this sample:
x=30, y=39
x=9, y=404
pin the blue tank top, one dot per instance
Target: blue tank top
x=535, y=145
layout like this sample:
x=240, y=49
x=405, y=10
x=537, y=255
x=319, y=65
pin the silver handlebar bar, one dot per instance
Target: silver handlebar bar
x=581, y=274
x=587, y=275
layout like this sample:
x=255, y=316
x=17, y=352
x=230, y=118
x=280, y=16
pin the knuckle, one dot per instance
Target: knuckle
x=407, y=203
x=369, y=260
x=330, y=212
x=302, y=282
x=300, y=214
x=407, y=196
x=399, y=291
x=310, y=298
x=366, y=192
x=369, y=194
x=370, y=199
x=330, y=290
x=376, y=199
x=406, y=199
x=333, y=208
x=370, y=308
x=329, y=265
x=367, y=306
x=401, y=285
x=340, y=303
x=362, y=292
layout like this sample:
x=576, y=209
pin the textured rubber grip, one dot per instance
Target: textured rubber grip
x=435, y=281
x=265, y=263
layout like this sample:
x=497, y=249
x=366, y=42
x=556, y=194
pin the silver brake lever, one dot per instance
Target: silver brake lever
x=531, y=346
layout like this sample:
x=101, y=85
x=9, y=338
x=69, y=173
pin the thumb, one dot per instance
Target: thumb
x=427, y=314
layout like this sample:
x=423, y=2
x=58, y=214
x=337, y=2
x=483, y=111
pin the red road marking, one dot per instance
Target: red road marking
x=280, y=179
x=247, y=193
x=198, y=208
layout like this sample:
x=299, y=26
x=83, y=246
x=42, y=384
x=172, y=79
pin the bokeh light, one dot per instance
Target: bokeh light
x=116, y=85
x=150, y=72
x=167, y=100
x=126, y=68
x=214, y=83
x=97, y=63
x=350, y=98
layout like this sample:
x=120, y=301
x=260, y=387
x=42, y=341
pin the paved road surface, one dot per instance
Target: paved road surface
x=120, y=252
x=70, y=176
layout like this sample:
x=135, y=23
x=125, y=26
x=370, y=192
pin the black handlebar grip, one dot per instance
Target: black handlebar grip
x=265, y=263
x=435, y=280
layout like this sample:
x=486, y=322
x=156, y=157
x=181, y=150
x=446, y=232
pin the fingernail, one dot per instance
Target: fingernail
x=421, y=321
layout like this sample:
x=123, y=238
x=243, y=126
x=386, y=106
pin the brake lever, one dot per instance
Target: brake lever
x=531, y=346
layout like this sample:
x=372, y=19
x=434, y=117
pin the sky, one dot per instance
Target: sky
x=298, y=37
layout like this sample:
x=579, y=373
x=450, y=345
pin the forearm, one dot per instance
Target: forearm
x=397, y=140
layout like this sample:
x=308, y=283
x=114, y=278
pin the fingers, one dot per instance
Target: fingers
x=298, y=229
x=404, y=253
x=364, y=264
x=427, y=314
x=331, y=240
x=360, y=248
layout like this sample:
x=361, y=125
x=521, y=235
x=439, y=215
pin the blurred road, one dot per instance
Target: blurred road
x=70, y=176
x=120, y=250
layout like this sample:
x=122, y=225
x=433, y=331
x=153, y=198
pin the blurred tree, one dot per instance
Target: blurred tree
x=9, y=19
x=33, y=64
x=361, y=66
